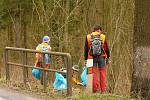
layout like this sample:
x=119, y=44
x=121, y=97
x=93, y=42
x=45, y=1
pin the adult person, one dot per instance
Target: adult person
x=96, y=48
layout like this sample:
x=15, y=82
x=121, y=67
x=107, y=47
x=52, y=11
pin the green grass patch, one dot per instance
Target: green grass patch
x=98, y=96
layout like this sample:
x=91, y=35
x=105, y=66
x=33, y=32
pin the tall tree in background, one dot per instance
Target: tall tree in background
x=66, y=32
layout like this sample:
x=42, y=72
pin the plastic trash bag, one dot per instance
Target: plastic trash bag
x=83, y=76
x=60, y=82
x=36, y=73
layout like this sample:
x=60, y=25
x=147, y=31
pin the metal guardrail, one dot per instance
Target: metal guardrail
x=44, y=69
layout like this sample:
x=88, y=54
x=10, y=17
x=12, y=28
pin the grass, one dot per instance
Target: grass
x=98, y=96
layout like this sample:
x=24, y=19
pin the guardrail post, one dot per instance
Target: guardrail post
x=44, y=74
x=69, y=76
x=6, y=65
x=24, y=69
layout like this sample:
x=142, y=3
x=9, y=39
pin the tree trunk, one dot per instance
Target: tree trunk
x=17, y=27
x=25, y=34
x=10, y=36
x=141, y=41
x=17, y=35
x=67, y=24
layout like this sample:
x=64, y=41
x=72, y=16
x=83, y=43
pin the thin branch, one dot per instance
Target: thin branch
x=13, y=21
x=36, y=10
x=32, y=17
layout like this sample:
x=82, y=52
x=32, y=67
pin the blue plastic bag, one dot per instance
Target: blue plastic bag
x=60, y=82
x=36, y=73
x=83, y=76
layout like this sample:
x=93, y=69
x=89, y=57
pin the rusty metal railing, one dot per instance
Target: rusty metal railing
x=44, y=69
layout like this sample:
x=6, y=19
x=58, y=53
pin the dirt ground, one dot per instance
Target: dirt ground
x=9, y=94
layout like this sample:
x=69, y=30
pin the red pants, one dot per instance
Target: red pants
x=99, y=84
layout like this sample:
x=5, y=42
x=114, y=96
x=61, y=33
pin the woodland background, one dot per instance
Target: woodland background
x=23, y=23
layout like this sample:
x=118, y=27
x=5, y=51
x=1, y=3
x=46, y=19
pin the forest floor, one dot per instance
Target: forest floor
x=18, y=90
